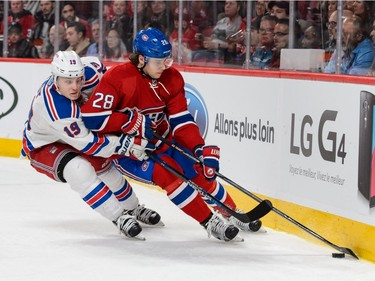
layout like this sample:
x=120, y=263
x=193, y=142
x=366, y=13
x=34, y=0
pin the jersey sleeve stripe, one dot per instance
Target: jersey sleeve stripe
x=26, y=144
x=96, y=121
x=50, y=106
x=96, y=145
x=181, y=119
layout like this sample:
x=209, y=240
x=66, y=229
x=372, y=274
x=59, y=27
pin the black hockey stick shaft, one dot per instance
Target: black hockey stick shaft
x=196, y=160
x=254, y=214
x=258, y=199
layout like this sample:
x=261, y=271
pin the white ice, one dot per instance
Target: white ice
x=48, y=233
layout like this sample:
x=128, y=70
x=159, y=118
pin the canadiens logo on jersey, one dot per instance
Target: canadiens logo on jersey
x=154, y=83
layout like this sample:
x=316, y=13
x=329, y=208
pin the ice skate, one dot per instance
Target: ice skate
x=146, y=216
x=129, y=226
x=221, y=229
x=253, y=226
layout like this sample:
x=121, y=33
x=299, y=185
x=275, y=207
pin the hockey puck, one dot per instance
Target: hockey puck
x=254, y=226
x=338, y=255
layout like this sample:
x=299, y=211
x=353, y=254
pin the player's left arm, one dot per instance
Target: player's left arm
x=74, y=132
x=184, y=129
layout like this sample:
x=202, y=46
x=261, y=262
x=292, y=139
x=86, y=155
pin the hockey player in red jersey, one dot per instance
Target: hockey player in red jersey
x=147, y=94
x=60, y=146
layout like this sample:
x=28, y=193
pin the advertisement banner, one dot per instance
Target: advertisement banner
x=294, y=140
x=19, y=83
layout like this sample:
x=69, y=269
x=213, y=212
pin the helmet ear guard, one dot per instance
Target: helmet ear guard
x=66, y=64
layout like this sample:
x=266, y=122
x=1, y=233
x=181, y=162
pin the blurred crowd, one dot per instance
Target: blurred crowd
x=238, y=34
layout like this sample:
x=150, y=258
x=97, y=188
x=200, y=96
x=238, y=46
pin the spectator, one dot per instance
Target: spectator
x=358, y=52
x=114, y=48
x=263, y=53
x=216, y=47
x=63, y=43
x=68, y=14
x=330, y=45
x=303, y=8
x=348, y=5
x=331, y=7
x=48, y=52
x=23, y=17
x=76, y=36
x=19, y=47
x=201, y=16
x=93, y=49
x=361, y=9
x=281, y=41
x=122, y=22
x=44, y=19
x=161, y=17
x=189, y=42
x=312, y=38
x=260, y=11
x=372, y=34
x=143, y=12
x=279, y=9
x=328, y=7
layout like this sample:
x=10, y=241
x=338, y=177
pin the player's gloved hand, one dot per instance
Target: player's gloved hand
x=209, y=156
x=139, y=125
x=134, y=147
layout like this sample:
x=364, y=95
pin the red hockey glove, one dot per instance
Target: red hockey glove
x=209, y=156
x=139, y=125
x=134, y=147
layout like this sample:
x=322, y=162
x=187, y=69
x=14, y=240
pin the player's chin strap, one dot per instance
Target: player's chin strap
x=144, y=65
x=258, y=199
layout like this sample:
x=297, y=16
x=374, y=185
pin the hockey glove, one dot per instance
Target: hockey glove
x=134, y=147
x=139, y=125
x=209, y=157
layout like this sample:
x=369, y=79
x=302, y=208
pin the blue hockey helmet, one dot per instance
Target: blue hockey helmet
x=152, y=43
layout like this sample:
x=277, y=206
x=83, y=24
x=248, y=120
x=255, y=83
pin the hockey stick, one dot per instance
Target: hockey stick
x=259, y=211
x=258, y=199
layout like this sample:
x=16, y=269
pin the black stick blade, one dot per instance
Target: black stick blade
x=262, y=209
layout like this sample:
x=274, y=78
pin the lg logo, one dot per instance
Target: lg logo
x=331, y=146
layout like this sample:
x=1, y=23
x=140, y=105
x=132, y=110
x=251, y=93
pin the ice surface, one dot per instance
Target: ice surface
x=48, y=233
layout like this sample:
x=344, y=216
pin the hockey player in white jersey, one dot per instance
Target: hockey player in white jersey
x=60, y=146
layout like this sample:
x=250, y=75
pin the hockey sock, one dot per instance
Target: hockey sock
x=121, y=188
x=217, y=190
x=180, y=193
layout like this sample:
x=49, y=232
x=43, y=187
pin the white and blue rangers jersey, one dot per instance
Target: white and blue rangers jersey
x=55, y=118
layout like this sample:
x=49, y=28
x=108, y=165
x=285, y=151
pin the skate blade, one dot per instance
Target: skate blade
x=159, y=224
x=237, y=239
x=138, y=237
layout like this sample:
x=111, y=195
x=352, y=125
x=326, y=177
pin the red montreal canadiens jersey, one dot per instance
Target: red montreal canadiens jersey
x=124, y=87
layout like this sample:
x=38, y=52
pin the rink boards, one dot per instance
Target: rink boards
x=291, y=137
